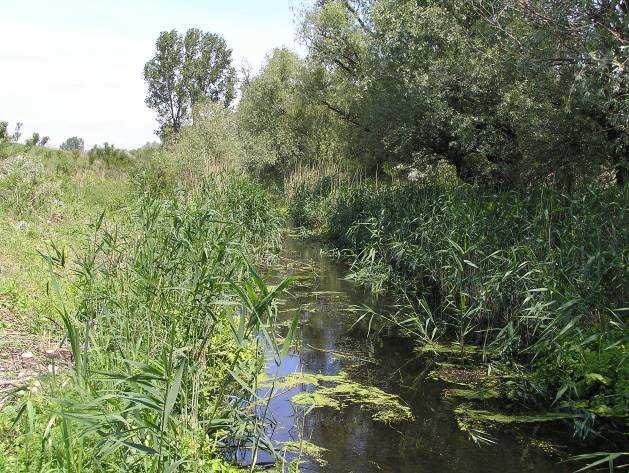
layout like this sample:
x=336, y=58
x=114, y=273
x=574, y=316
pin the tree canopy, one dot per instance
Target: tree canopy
x=504, y=91
x=185, y=70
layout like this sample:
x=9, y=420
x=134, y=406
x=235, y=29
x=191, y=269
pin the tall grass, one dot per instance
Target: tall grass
x=162, y=312
x=535, y=278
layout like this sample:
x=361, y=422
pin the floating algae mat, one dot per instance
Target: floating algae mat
x=469, y=413
x=308, y=449
x=338, y=392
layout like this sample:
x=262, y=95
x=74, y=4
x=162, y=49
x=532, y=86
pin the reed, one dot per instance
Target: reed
x=162, y=310
x=536, y=278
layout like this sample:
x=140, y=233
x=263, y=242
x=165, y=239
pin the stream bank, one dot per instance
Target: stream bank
x=349, y=437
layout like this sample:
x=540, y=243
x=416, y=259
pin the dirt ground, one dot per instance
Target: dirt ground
x=25, y=357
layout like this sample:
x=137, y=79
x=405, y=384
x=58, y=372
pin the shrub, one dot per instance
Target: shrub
x=73, y=144
x=109, y=155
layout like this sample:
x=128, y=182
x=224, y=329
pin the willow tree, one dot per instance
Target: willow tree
x=186, y=70
x=510, y=91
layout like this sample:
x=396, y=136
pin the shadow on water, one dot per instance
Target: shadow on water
x=353, y=440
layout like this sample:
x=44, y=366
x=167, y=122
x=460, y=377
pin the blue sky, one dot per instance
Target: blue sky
x=70, y=67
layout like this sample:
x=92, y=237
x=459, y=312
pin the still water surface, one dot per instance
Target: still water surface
x=354, y=442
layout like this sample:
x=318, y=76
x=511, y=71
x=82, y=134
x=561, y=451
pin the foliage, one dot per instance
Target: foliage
x=186, y=70
x=162, y=309
x=73, y=143
x=471, y=157
x=210, y=145
x=7, y=138
x=4, y=132
x=4, y=138
x=509, y=92
x=109, y=155
x=4, y=128
x=280, y=126
x=37, y=140
x=535, y=277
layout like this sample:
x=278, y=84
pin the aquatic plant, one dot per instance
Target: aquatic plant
x=338, y=392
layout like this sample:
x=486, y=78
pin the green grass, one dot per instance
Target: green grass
x=152, y=281
x=47, y=196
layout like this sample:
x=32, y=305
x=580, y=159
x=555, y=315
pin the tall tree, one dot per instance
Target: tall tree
x=185, y=70
x=509, y=90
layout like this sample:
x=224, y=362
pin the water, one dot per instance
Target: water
x=354, y=442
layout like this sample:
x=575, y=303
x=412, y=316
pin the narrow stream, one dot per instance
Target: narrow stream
x=353, y=440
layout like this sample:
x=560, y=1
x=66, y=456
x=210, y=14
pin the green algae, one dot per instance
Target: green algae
x=471, y=378
x=308, y=449
x=469, y=418
x=339, y=392
x=300, y=379
x=471, y=394
x=452, y=349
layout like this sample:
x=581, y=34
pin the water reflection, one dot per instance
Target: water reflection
x=354, y=442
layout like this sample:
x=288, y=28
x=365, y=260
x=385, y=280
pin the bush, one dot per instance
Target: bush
x=73, y=144
x=208, y=146
x=109, y=155
x=24, y=185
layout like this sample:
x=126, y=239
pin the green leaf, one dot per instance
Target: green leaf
x=140, y=448
x=171, y=395
x=288, y=341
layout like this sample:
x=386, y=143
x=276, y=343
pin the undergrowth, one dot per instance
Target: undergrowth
x=156, y=292
x=535, y=278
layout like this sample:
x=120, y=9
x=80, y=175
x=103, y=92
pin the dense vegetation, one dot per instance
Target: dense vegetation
x=467, y=158
x=150, y=271
x=471, y=157
x=535, y=279
x=510, y=93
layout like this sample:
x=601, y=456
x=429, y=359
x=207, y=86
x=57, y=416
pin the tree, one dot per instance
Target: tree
x=17, y=133
x=509, y=91
x=37, y=140
x=285, y=126
x=73, y=144
x=6, y=138
x=186, y=70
